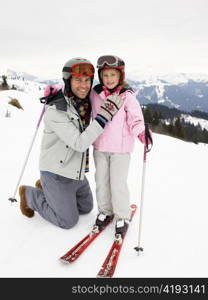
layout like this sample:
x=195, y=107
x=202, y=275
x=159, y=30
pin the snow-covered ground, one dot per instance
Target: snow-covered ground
x=195, y=121
x=174, y=228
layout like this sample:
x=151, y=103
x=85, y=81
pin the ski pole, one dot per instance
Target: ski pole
x=139, y=248
x=12, y=199
x=148, y=139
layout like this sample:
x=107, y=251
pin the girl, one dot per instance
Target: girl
x=113, y=147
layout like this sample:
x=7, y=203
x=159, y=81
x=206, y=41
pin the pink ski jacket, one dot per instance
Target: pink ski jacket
x=118, y=135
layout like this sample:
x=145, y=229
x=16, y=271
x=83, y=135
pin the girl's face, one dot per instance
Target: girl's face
x=110, y=78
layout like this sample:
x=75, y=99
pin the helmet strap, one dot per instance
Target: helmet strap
x=67, y=86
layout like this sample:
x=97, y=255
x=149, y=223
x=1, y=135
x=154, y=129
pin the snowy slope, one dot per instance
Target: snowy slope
x=195, y=121
x=174, y=217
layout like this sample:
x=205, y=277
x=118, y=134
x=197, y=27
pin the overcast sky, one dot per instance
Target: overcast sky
x=159, y=36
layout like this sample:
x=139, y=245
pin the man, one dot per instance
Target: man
x=63, y=192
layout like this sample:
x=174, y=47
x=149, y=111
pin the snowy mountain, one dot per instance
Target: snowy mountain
x=11, y=74
x=173, y=90
x=14, y=75
x=186, y=92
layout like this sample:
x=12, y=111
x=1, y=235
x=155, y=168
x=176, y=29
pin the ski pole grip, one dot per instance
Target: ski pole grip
x=148, y=137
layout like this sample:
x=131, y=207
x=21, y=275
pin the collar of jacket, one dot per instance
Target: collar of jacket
x=99, y=89
x=61, y=101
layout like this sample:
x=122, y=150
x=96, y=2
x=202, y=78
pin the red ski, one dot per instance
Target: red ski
x=79, y=248
x=109, y=265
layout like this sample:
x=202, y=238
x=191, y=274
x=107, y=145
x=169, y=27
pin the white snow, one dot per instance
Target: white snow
x=174, y=227
x=195, y=121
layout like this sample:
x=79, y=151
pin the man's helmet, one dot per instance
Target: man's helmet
x=76, y=67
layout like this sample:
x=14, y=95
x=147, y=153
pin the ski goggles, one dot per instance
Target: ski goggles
x=80, y=69
x=110, y=60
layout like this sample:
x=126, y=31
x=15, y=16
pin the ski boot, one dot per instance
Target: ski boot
x=102, y=221
x=121, y=228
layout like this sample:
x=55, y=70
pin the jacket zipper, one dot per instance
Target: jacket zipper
x=81, y=130
x=81, y=165
x=80, y=172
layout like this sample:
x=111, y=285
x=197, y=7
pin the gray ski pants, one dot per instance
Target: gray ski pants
x=112, y=191
x=61, y=200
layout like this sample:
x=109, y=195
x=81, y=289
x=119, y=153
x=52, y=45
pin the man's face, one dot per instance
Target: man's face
x=80, y=86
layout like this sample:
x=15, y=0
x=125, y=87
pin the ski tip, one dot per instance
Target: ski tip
x=103, y=276
x=64, y=261
x=133, y=206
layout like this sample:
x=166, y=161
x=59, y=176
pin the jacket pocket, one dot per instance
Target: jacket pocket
x=66, y=156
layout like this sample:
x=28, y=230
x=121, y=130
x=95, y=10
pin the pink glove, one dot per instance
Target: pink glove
x=142, y=137
x=52, y=89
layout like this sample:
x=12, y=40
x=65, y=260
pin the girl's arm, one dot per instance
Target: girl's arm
x=134, y=114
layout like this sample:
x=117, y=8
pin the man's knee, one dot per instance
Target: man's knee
x=85, y=206
x=86, y=209
x=68, y=223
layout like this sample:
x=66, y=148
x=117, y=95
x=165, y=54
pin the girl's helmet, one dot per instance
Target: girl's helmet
x=111, y=62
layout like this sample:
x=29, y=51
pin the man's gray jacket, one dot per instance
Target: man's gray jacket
x=64, y=142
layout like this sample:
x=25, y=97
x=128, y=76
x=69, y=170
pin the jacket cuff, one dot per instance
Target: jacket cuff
x=101, y=120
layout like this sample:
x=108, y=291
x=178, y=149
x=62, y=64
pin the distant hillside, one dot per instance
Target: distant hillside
x=184, y=93
x=175, y=123
x=177, y=106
